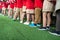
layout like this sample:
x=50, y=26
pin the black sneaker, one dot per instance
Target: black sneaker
x=48, y=27
x=56, y=33
x=42, y=28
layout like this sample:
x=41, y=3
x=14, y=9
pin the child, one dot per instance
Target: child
x=38, y=10
x=29, y=11
x=15, y=5
x=23, y=11
x=47, y=10
x=8, y=8
x=11, y=8
x=4, y=7
x=18, y=10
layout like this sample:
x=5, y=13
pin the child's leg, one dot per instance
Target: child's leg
x=28, y=17
x=33, y=19
x=2, y=11
x=37, y=15
x=16, y=14
x=23, y=13
x=22, y=18
x=44, y=19
x=5, y=11
x=32, y=12
x=8, y=12
x=48, y=19
x=20, y=14
x=11, y=12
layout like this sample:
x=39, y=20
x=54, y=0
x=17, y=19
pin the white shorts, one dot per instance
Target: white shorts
x=24, y=9
x=31, y=11
x=18, y=10
x=3, y=8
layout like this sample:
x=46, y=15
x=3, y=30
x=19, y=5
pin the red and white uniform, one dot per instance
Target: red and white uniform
x=30, y=6
x=38, y=3
x=24, y=6
x=19, y=3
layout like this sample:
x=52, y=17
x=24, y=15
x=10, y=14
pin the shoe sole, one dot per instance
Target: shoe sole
x=54, y=34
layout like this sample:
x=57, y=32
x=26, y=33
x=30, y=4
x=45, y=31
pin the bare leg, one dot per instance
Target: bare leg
x=48, y=19
x=33, y=17
x=44, y=19
x=28, y=17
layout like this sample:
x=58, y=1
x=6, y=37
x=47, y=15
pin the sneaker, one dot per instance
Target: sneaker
x=26, y=23
x=42, y=28
x=32, y=25
x=21, y=21
x=38, y=25
x=0, y=14
x=32, y=22
x=10, y=16
x=48, y=27
x=56, y=33
x=18, y=18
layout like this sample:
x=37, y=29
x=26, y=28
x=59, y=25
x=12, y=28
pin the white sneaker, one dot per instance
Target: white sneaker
x=0, y=14
x=32, y=22
x=26, y=23
x=21, y=21
x=18, y=18
x=10, y=16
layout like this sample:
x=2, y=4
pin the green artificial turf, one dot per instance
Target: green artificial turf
x=13, y=30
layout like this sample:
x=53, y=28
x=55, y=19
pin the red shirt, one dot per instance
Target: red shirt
x=11, y=1
x=11, y=5
x=4, y=4
x=24, y=2
x=39, y=3
x=30, y=4
x=0, y=5
x=19, y=3
x=15, y=4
